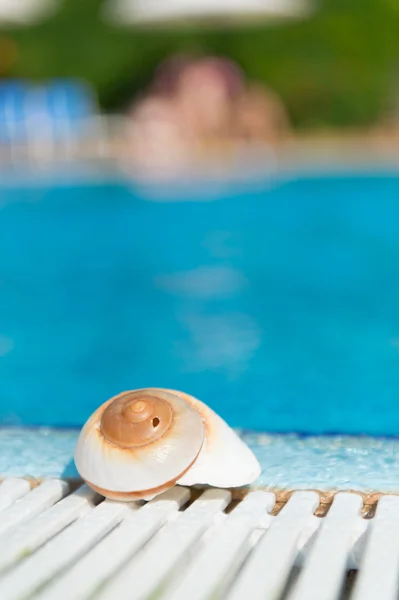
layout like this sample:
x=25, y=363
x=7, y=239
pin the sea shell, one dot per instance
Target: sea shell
x=142, y=442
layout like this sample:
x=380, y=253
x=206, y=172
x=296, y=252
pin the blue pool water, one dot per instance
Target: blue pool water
x=278, y=305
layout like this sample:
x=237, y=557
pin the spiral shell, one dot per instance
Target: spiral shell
x=142, y=442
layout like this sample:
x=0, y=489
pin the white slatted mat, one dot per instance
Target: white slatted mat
x=379, y=572
x=145, y=574
x=62, y=545
x=324, y=571
x=266, y=571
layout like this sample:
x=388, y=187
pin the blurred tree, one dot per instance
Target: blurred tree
x=8, y=55
x=333, y=69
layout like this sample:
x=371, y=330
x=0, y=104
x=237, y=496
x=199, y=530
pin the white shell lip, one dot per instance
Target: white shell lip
x=225, y=461
x=116, y=469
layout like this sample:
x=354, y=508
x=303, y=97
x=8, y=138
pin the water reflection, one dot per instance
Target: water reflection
x=6, y=345
x=218, y=341
x=203, y=283
x=221, y=244
x=225, y=343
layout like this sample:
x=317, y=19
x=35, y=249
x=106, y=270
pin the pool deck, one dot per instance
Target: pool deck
x=289, y=462
x=319, y=152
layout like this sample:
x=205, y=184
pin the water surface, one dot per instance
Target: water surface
x=277, y=305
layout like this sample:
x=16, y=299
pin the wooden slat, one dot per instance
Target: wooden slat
x=60, y=546
x=32, y=504
x=379, y=569
x=11, y=489
x=266, y=572
x=146, y=573
x=27, y=537
x=100, y=563
x=324, y=571
x=216, y=563
x=62, y=551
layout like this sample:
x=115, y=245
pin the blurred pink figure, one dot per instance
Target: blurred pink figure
x=189, y=105
x=167, y=75
x=205, y=96
x=156, y=140
x=196, y=107
x=261, y=116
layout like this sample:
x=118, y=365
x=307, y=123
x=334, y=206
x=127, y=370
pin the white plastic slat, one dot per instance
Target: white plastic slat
x=82, y=580
x=69, y=549
x=62, y=551
x=12, y=489
x=324, y=571
x=32, y=504
x=264, y=575
x=144, y=574
x=26, y=538
x=379, y=569
x=217, y=562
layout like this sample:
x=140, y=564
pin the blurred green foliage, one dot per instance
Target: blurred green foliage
x=338, y=68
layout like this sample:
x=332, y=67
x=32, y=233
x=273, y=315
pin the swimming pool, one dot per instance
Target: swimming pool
x=278, y=305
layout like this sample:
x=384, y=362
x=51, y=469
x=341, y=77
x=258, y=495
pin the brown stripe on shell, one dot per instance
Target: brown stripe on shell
x=139, y=494
x=130, y=496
